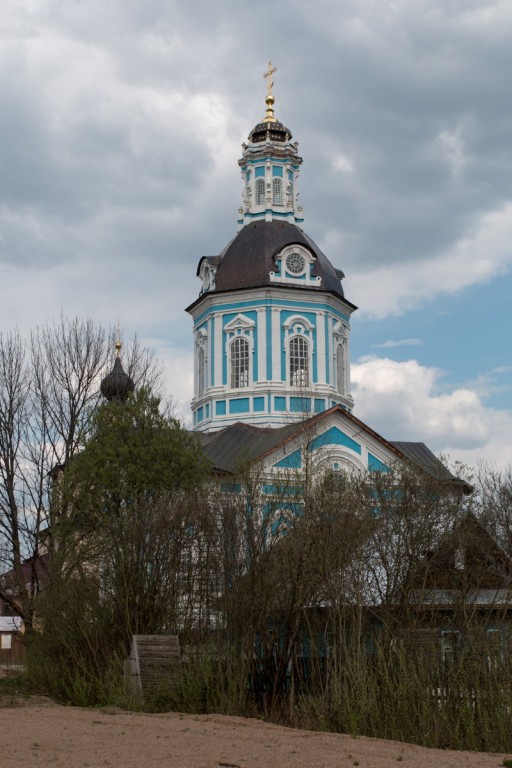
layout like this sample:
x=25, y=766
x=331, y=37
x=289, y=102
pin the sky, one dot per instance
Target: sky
x=120, y=130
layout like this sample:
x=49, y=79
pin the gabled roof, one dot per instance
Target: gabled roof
x=241, y=444
x=467, y=560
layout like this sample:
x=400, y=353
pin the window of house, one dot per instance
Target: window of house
x=450, y=644
x=459, y=559
x=239, y=363
x=260, y=192
x=277, y=191
x=494, y=648
x=299, y=362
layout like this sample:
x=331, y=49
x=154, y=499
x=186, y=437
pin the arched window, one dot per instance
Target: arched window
x=239, y=354
x=299, y=361
x=340, y=369
x=260, y=192
x=277, y=191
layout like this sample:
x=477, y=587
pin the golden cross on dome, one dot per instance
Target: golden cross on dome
x=268, y=77
x=118, y=343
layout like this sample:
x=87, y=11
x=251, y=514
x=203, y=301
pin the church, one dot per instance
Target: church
x=271, y=335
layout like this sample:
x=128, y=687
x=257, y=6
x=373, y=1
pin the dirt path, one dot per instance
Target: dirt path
x=40, y=733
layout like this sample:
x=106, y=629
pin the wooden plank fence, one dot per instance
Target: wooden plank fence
x=153, y=661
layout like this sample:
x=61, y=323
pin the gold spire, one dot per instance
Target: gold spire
x=269, y=99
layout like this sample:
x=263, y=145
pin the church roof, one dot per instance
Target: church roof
x=423, y=457
x=248, y=259
x=236, y=446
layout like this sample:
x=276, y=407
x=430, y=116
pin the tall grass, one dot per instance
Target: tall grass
x=392, y=695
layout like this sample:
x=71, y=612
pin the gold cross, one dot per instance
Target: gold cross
x=268, y=74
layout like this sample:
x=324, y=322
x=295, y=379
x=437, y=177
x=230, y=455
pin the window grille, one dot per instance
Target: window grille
x=260, y=192
x=277, y=191
x=299, y=362
x=239, y=363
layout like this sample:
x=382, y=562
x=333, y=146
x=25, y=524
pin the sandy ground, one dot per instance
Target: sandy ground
x=39, y=733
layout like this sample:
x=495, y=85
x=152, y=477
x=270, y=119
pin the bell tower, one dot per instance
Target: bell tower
x=270, y=168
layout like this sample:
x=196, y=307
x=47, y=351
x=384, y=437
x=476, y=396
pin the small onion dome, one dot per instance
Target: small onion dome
x=117, y=385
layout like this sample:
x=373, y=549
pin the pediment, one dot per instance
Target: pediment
x=240, y=321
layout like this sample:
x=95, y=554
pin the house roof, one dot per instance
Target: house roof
x=450, y=598
x=37, y=565
x=10, y=623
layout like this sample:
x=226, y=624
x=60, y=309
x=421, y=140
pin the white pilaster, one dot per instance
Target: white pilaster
x=262, y=344
x=219, y=349
x=276, y=344
x=320, y=347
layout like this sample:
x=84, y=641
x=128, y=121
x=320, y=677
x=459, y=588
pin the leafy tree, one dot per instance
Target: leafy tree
x=123, y=511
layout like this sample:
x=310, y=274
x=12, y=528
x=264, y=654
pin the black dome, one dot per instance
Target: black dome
x=117, y=385
x=248, y=260
x=274, y=131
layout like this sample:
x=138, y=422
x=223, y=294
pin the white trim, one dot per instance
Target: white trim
x=298, y=320
x=240, y=321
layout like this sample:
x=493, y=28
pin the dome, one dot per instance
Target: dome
x=117, y=385
x=269, y=131
x=249, y=259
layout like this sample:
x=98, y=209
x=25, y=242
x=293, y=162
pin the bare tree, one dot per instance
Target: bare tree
x=49, y=387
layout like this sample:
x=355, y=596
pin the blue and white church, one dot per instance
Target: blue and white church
x=271, y=333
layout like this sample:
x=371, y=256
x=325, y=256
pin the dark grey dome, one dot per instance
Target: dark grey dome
x=248, y=260
x=274, y=131
x=117, y=385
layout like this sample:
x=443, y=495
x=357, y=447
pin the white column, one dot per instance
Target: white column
x=276, y=344
x=320, y=347
x=219, y=349
x=262, y=344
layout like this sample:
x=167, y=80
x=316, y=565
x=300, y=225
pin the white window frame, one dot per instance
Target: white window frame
x=241, y=327
x=303, y=278
x=259, y=188
x=244, y=376
x=302, y=354
x=295, y=327
x=277, y=191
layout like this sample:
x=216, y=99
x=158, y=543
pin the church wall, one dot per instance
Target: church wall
x=267, y=321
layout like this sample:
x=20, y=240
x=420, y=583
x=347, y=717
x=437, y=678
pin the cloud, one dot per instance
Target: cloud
x=482, y=253
x=391, y=344
x=407, y=401
x=119, y=141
